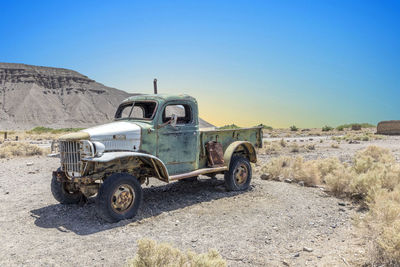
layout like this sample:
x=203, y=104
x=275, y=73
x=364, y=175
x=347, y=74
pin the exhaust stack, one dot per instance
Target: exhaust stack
x=155, y=86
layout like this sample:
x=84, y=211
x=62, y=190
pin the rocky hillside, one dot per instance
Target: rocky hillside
x=42, y=96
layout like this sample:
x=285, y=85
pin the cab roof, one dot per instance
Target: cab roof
x=159, y=97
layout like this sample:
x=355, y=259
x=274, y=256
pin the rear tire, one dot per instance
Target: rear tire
x=62, y=194
x=119, y=197
x=239, y=175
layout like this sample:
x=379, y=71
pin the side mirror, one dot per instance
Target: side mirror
x=174, y=120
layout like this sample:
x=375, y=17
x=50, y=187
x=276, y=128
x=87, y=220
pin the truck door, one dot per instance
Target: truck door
x=177, y=146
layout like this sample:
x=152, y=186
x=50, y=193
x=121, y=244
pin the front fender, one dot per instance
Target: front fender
x=158, y=165
x=249, y=149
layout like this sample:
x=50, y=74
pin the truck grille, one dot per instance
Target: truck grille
x=70, y=157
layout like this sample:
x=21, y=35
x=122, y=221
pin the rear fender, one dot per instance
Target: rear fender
x=240, y=146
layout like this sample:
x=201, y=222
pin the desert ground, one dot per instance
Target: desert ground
x=272, y=224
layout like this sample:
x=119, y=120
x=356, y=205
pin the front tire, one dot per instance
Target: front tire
x=119, y=197
x=63, y=194
x=239, y=175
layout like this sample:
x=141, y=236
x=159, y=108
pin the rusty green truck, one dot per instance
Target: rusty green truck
x=152, y=136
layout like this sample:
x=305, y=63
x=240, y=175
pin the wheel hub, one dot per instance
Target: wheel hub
x=241, y=174
x=122, y=198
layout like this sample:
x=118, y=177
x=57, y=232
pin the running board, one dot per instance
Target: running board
x=197, y=172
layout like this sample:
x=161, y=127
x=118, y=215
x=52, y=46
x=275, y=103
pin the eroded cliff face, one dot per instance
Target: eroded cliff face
x=32, y=96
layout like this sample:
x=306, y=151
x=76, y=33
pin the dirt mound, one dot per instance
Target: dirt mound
x=42, y=96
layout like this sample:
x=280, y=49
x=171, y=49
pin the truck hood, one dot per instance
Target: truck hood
x=118, y=135
x=114, y=130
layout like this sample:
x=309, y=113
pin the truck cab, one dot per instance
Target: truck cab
x=151, y=136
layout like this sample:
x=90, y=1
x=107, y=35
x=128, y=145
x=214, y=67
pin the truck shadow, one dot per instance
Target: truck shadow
x=83, y=220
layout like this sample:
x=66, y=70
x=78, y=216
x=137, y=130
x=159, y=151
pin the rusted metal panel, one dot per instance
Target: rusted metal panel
x=215, y=154
x=226, y=137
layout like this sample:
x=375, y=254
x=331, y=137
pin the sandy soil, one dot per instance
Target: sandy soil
x=271, y=224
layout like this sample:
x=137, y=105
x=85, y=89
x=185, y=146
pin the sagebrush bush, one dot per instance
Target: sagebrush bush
x=338, y=181
x=293, y=128
x=17, y=149
x=382, y=223
x=150, y=253
x=327, y=128
x=340, y=128
x=271, y=148
x=294, y=148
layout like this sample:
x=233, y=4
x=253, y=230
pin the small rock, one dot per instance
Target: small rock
x=297, y=255
x=7, y=193
x=341, y=204
x=301, y=183
x=285, y=263
x=287, y=181
x=29, y=164
x=342, y=209
x=307, y=249
x=265, y=176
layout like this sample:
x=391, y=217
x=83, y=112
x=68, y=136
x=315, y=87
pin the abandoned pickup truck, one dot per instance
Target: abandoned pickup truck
x=151, y=136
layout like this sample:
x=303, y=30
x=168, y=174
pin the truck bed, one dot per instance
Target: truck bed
x=226, y=137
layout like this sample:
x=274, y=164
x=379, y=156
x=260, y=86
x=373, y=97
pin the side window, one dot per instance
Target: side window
x=182, y=111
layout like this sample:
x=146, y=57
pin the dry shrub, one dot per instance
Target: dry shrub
x=364, y=136
x=294, y=148
x=271, y=148
x=283, y=143
x=338, y=180
x=18, y=149
x=311, y=172
x=150, y=253
x=335, y=146
x=382, y=223
x=277, y=167
x=375, y=168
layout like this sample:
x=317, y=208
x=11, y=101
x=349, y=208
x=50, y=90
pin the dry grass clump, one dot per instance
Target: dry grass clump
x=363, y=136
x=20, y=149
x=373, y=177
x=382, y=223
x=273, y=147
x=294, y=148
x=150, y=253
x=335, y=145
x=312, y=172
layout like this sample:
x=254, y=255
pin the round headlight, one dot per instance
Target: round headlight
x=99, y=148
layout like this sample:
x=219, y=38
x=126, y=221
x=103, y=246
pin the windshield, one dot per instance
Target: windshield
x=142, y=110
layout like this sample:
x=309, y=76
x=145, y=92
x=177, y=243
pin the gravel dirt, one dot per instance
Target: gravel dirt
x=273, y=223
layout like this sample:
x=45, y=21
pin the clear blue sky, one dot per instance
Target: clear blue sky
x=308, y=63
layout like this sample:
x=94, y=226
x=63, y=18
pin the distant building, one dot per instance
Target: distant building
x=389, y=127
